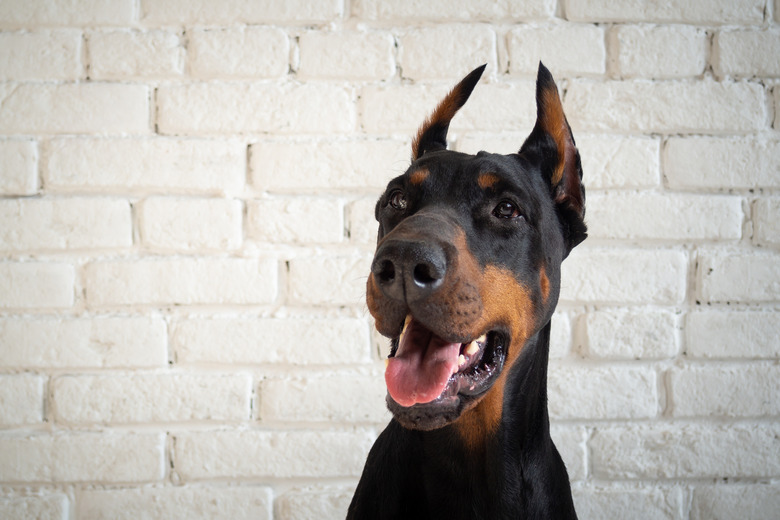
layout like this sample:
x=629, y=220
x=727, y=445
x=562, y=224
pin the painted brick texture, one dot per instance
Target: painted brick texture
x=187, y=192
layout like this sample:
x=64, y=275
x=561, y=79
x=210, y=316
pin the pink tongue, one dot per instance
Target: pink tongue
x=421, y=367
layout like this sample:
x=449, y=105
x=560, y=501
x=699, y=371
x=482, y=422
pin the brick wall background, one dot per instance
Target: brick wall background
x=186, y=195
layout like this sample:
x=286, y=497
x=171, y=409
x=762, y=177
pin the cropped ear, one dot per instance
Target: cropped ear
x=432, y=135
x=551, y=146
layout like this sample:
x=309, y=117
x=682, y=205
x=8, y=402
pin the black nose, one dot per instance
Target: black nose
x=409, y=270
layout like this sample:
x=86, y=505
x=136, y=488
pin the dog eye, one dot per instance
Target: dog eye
x=506, y=209
x=397, y=200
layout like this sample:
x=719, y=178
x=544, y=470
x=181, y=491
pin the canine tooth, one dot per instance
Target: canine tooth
x=461, y=360
x=472, y=349
x=406, y=324
x=482, y=339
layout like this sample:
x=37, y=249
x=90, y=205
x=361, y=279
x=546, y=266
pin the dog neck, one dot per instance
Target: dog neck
x=517, y=404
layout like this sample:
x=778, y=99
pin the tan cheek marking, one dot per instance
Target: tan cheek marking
x=487, y=180
x=372, y=298
x=544, y=284
x=418, y=177
x=507, y=302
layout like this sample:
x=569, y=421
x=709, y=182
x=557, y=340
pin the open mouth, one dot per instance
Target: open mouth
x=425, y=368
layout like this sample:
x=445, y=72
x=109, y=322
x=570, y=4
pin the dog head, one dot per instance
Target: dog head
x=467, y=265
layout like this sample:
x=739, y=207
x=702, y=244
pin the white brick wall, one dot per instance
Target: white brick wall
x=186, y=224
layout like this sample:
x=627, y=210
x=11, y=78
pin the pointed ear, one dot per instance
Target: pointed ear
x=551, y=146
x=432, y=135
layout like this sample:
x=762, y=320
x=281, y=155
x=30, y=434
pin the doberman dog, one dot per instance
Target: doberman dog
x=464, y=281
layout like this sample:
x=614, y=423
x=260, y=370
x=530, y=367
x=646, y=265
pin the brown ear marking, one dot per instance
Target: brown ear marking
x=551, y=146
x=432, y=135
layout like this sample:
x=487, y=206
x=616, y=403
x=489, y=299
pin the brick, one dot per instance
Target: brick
x=346, y=55
x=665, y=106
x=327, y=165
x=607, y=161
x=330, y=396
x=659, y=51
x=646, y=216
x=120, y=54
x=72, y=223
x=238, y=52
x=298, y=220
x=171, y=502
x=623, y=334
x=776, y=92
x=147, y=397
x=601, y=275
x=560, y=336
x=362, y=224
x=567, y=50
x=186, y=281
x=245, y=107
x=570, y=443
x=304, y=503
x=695, y=11
x=735, y=502
x=191, y=224
x=83, y=457
x=54, y=54
x=40, y=507
x=589, y=392
x=18, y=168
x=82, y=108
x=766, y=222
x=317, y=340
x=36, y=284
x=437, y=51
x=21, y=399
x=676, y=451
x=616, y=502
x=162, y=165
x=747, y=53
x=731, y=334
x=83, y=342
x=722, y=163
x=504, y=107
x=442, y=10
x=274, y=454
x=739, y=277
x=725, y=390
x=229, y=12
x=67, y=13
x=335, y=279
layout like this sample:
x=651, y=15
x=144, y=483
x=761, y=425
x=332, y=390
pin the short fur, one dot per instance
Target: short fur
x=469, y=251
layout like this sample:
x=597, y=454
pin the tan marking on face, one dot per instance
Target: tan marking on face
x=487, y=180
x=505, y=302
x=544, y=284
x=418, y=177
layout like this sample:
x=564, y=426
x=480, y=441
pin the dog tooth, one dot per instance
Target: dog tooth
x=472, y=349
x=461, y=360
x=482, y=339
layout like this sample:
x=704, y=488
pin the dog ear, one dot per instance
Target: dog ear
x=432, y=135
x=551, y=146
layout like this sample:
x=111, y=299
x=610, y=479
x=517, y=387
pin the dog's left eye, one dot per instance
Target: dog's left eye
x=506, y=209
x=397, y=199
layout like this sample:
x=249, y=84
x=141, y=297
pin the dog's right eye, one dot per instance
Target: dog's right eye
x=397, y=200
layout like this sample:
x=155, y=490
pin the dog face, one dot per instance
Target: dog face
x=467, y=265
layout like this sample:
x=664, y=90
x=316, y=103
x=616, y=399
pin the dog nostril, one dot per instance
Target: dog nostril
x=425, y=275
x=386, y=272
